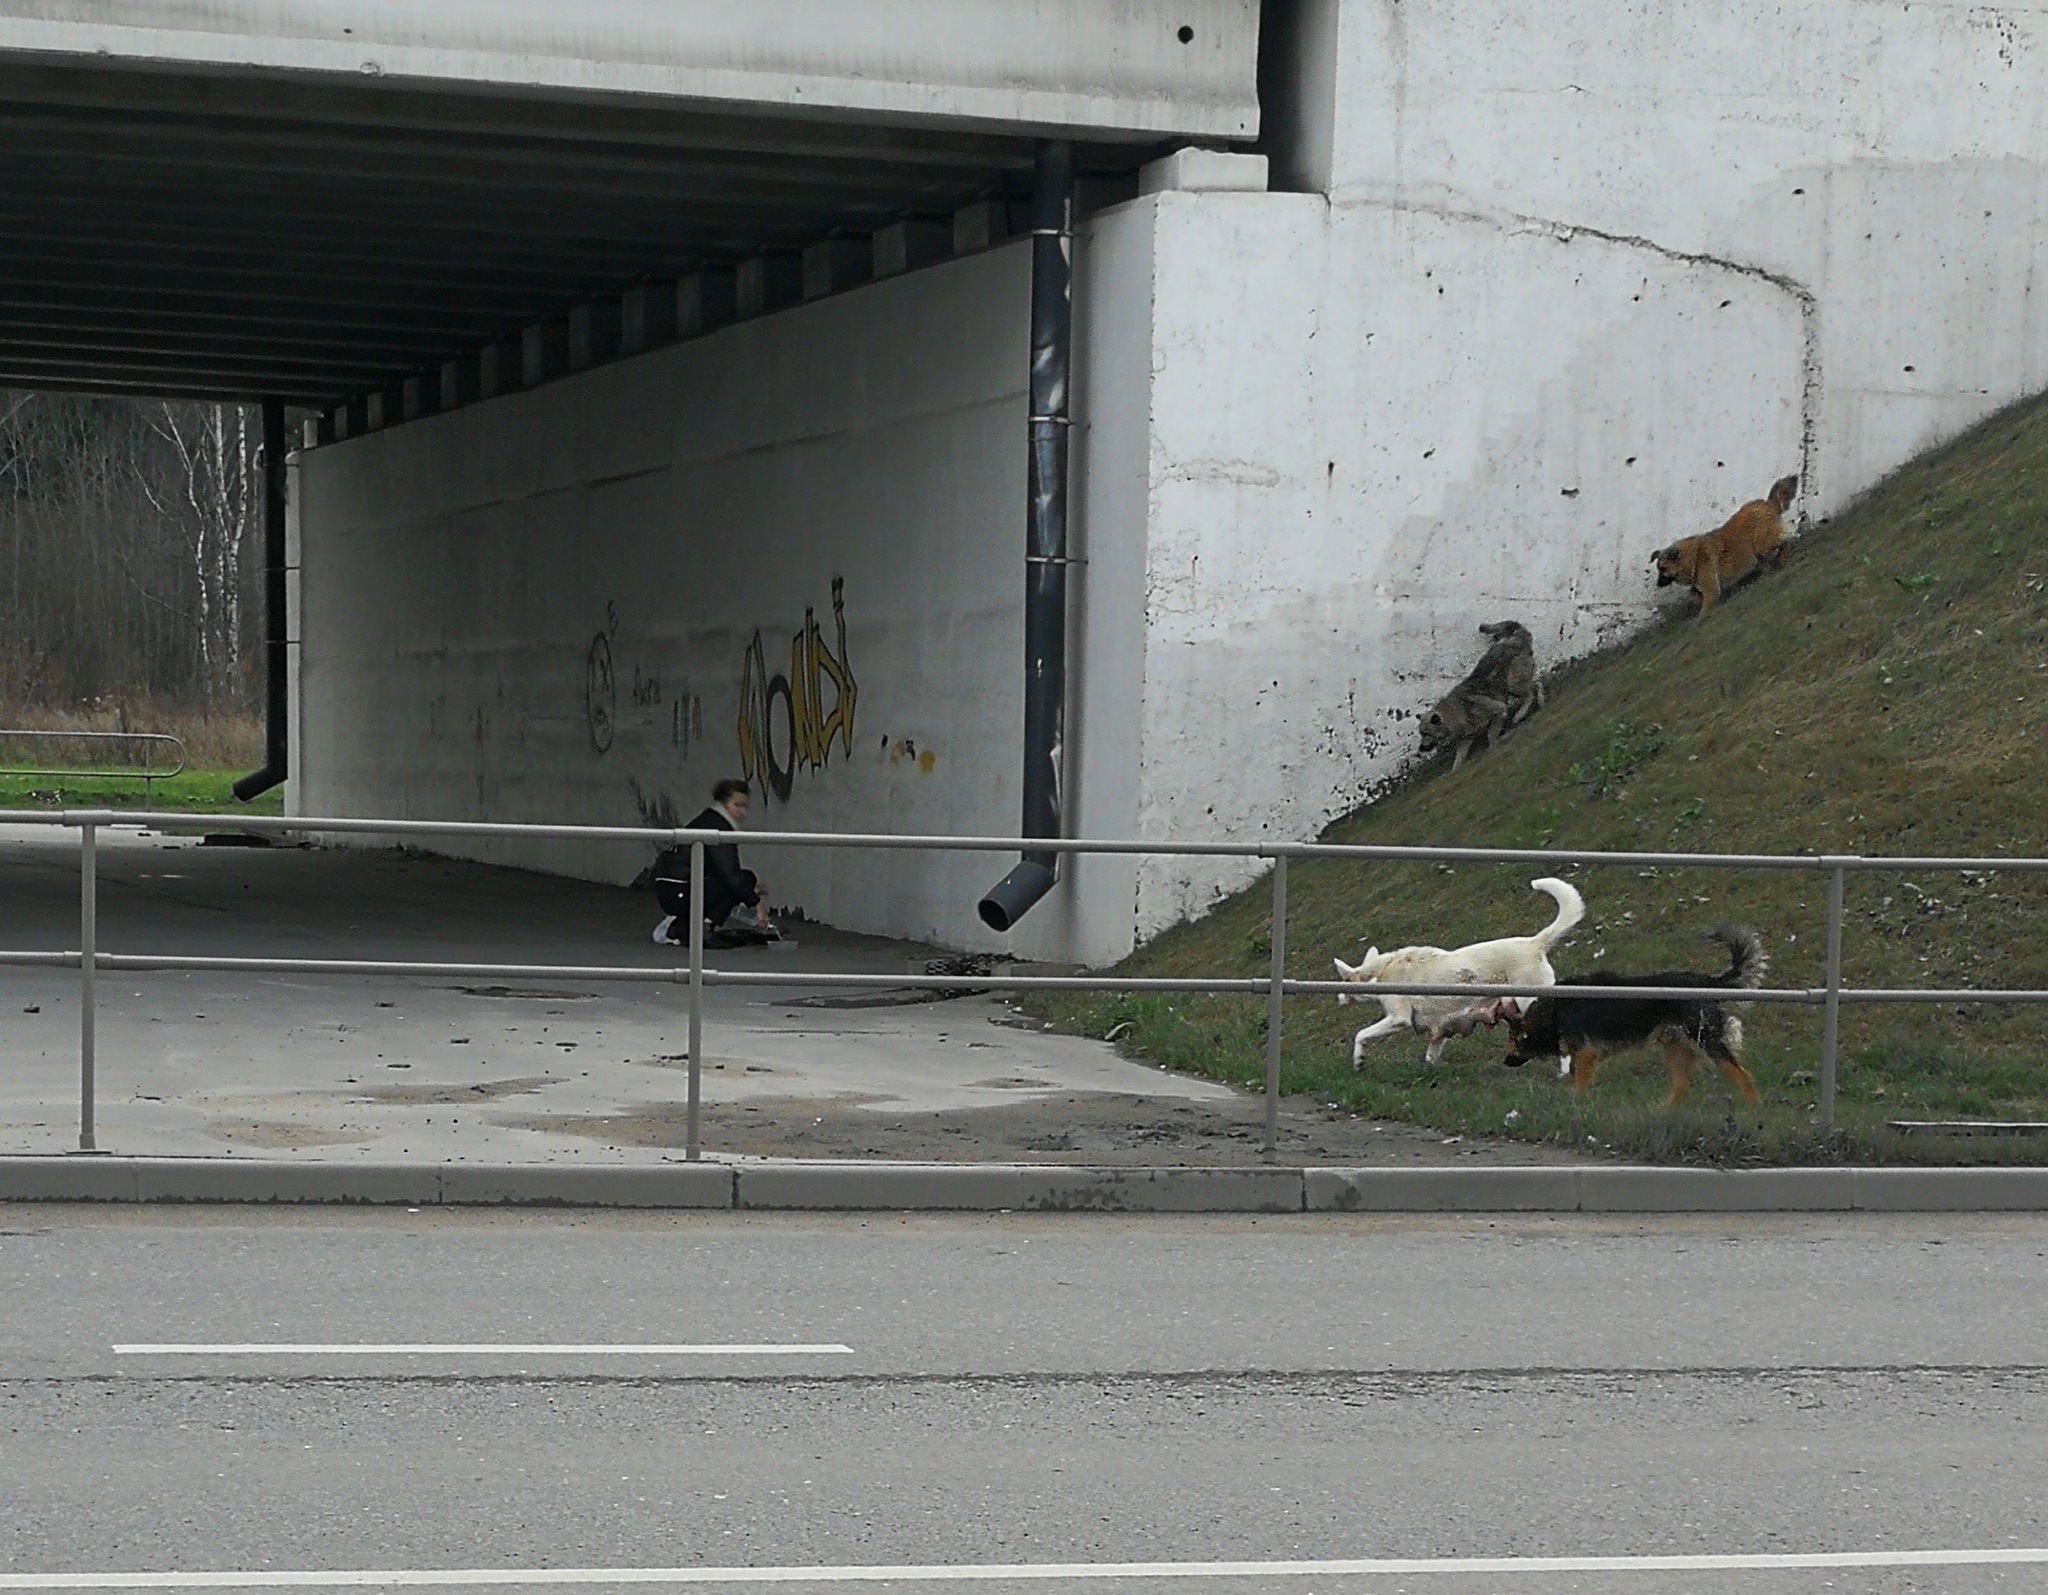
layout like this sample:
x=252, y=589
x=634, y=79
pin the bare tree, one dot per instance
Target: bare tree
x=214, y=507
x=125, y=572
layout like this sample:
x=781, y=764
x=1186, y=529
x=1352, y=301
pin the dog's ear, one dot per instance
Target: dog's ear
x=1370, y=954
x=1784, y=491
x=1344, y=970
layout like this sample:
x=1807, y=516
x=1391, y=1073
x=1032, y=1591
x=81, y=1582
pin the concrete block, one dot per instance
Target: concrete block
x=67, y=1179
x=706, y=300
x=886, y=1186
x=768, y=281
x=1204, y=171
x=221, y=1179
x=1455, y=1190
x=647, y=317
x=643, y=1185
x=1631, y=1189
x=544, y=351
x=1164, y=1190
x=835, y=263
x=459, y=381
x=976, y=226
x=1950, y=1190
x=500, y=368
x=911, y=243
x=593, y=334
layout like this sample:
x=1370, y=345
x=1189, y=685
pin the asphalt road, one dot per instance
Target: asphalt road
x=1024, y=1391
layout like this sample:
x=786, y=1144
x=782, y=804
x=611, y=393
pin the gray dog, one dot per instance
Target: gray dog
x=1503, y=689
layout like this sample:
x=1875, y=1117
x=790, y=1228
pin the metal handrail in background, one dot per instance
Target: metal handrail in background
x=1274, y=986
x=148, y=772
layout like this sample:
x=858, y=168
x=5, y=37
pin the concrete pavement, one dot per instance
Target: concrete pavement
x=379, y=1069
x=1026, y=1390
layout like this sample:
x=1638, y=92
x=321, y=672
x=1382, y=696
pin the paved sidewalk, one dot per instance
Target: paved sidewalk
x=386, y=1069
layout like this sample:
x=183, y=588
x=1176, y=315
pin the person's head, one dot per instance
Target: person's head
x=731, y=795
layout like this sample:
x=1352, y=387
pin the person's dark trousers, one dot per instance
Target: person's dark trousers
x=674, y=897
x=726, y=885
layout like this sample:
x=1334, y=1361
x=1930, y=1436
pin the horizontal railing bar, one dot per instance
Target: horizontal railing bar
x=786, y=979
x=508, y=830
x=104, y=772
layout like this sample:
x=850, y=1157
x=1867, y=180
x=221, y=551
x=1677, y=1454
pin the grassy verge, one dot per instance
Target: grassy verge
x=1885, y=694
x=196, y=791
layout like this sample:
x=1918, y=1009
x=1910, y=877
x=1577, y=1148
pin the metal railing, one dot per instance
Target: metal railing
x=1274, y=986
x=147, y=772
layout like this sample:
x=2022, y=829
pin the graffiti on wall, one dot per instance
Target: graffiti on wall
x=785, y=721
x=601, y=685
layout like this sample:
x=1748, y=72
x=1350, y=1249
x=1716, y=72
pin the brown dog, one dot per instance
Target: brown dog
x=1711, y=564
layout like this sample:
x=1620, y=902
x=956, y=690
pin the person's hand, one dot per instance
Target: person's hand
x=761, y=915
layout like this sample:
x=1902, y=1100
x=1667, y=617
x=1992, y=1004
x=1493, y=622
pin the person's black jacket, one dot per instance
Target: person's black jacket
x=726, y=885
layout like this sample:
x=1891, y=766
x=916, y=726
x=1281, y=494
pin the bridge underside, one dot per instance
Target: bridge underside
x=282, y=212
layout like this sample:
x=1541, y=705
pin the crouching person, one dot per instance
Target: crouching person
x=733, y=915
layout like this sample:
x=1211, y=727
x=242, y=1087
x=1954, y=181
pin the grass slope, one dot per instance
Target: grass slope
x=1883, y=694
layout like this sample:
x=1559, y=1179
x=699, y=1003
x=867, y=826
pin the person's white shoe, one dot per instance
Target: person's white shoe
x=661, y=930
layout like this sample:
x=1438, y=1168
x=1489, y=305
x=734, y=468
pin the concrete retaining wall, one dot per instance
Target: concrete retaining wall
x=1562, y=284
x=593, y=599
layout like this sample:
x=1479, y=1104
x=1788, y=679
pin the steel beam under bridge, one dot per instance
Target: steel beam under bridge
x=318, y=202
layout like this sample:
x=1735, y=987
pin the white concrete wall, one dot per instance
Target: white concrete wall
x=1886, y=158
x=1389, y=429
x=458, y=572
x=1585, y=277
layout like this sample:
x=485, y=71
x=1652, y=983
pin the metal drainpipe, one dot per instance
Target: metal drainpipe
x=276, y=748
x=1045, y=533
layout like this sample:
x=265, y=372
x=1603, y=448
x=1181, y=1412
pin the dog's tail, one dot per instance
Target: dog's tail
x=1571, y=908
x=1746, y=959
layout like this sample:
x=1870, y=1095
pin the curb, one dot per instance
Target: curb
x=1018, y=1187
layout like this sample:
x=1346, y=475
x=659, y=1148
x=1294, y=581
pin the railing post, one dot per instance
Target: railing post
x=693, y=1144
x=88, y=968
x=1274, y=998
x=1833, y=1010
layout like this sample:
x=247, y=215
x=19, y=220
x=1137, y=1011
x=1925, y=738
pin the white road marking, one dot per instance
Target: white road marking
x=473, y=1349
x=992, y=1572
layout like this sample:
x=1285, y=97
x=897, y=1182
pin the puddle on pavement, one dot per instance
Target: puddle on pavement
x=427, y=1095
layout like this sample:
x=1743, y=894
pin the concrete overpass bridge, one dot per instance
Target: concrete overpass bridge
x=668, y=384
x=329, y=202
x=382, y=213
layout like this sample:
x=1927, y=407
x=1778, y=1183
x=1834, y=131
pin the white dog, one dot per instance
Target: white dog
x=1510, y=961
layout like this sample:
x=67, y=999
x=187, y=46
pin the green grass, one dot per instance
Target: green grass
x=195, y=791
x=1886, y=693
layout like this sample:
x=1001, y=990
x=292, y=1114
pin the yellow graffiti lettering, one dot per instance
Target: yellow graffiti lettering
x=808, y=729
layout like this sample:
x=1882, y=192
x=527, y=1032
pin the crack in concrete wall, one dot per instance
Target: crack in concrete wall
x=1810, y=374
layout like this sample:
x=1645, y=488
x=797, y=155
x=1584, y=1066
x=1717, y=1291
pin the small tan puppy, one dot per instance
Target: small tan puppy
x=1754, y=535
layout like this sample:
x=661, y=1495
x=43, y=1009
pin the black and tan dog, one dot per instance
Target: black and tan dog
x=1584, y=1030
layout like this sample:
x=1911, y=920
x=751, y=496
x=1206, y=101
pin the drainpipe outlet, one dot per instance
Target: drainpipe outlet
x=1012, y=897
